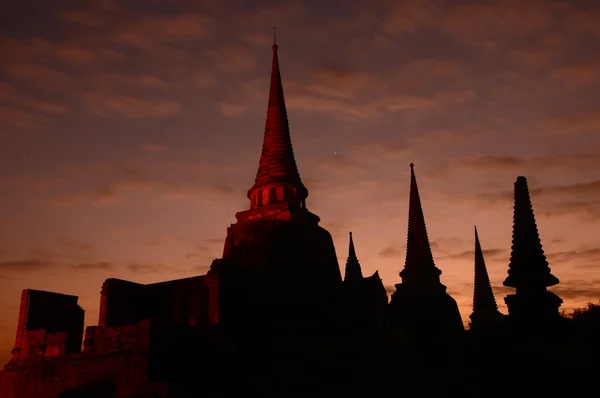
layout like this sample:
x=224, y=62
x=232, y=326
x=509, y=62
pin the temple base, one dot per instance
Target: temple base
x=281, y=276
x=426, y=316
x=536, y=312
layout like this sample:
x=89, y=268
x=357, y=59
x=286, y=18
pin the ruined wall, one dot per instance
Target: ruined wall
x=50, y=324
x=180, y=302
x=117, y=338
x=143, y=331
x=122, y=303
x=119, y=374
x=115, y=362
x=176, y=302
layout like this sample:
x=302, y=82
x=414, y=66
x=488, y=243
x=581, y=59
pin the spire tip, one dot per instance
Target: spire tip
x=412, y=165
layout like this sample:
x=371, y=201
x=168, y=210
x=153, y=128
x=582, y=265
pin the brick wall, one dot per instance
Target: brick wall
x=180, y=302
x=141, y=327
x=50, y=324
x=117, y=338
x=119, y=374
x=115, y=363
x=121, y=303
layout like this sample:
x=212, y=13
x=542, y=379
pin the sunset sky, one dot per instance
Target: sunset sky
x=130, y=132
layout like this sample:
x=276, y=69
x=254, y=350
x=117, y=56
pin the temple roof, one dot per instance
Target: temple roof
x=528, y=266
x=484, y=301
x=277, y=164
x=419, y=259
x=353, y=270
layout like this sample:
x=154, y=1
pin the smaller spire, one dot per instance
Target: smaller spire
x=351, y=251
x=353, y=270
x=485, y=309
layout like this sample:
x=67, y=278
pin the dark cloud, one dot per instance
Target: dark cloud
x=470, y=254
x=447, y=241
x=131, y=107
x=576, y=122
x=26, y=266
x=162, y=240
x=337, y=162
x=587, y=210
x=582, y=289
x=147, y=268
x=200, y=251
x=341, y=81
x=99, y=266
x=550, y=200
x=76, y=246
x=585, y=189
x=578, y=162
x=584, y=257
x=392, y=251
x=168, y=180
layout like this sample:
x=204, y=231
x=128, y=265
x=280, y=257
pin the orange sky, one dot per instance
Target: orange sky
x=131, y=130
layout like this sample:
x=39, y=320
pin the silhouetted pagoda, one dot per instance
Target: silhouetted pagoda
x=532, y=305
x=420, y=308
x=485, y=316
x=366, y=302
x=353, y=272
x=283, y=278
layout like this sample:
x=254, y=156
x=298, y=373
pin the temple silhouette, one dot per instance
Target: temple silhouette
x=274, y=317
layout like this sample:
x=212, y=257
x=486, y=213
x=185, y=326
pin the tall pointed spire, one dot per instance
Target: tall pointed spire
x=277, y=166
x=528, y=268
x=485, y=308
x=420, y=308
x=419, y=264
x=353, y=270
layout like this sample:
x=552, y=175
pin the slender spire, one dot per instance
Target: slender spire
x=353, y=271
x=277, y=166
x=419, y=260
x=528, y=268
x=485, y=308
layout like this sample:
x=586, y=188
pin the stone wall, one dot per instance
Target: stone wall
x=121, y=303
x=117, y=338
x=144, y=330
x=115, y=363
x=50, y=324
x=118, y=374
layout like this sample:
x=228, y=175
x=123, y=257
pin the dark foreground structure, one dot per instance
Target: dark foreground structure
x=274, y=317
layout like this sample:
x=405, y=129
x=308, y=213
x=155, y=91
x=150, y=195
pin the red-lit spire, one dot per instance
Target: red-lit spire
x=528, y=268
x=485, y=309
x=277, y=167
x=353, y=271
x=419, y=266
